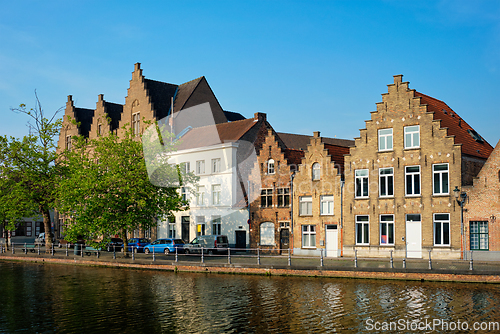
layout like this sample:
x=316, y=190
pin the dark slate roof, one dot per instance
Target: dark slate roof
x=293, y=157
x=300, y=142
x=472, y=143
x=160, y=94
x=184, y=92
x=84, y=117
x=114, y=112
x=337, y=155
x=233, y=116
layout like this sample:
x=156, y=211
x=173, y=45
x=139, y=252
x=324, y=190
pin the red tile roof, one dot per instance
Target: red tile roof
x=457, y=127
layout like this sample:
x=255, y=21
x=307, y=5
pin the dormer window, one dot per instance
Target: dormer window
x=270, y=166
x=316, y=171
x=475, y=135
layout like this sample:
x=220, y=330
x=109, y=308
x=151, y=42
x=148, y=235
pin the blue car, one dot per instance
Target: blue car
x=137, y=244
x=166, y=246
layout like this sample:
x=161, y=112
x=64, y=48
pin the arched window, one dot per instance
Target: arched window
x=270, y=166
x=267, y=234
x=316, y=171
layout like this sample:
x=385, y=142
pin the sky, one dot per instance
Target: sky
x=309, y=65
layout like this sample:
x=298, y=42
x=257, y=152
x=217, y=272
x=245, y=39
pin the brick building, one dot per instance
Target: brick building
x=400, y=175
x=482, y=208
x=317, y=198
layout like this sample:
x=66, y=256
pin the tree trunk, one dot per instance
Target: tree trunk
x=48, y=232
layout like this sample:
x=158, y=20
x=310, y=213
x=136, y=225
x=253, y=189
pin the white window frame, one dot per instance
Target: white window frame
x=316, y=171
x=186, y=166
x=441, y=175
x=361, y=183
x=362, y=230
x=171, y=228
x=216, y=165
x=267, y=234
x=200, y=196
x=200, y=221
x=386, y=180
x=200, y=167
x=308, y=236
x=413, y=175
x=216, y=225
x=305, y=206
x=388, y=222
x=216, y=194
x=136, y=123
x=412, y=136
x=270, y=166
x=326, y=205
x=479, y=235
x=385, y=140
x=439, y=226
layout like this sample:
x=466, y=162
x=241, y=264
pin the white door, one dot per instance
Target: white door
x=414, y=239
x=332, y=241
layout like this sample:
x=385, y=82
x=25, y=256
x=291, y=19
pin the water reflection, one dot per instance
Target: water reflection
x=69, y=299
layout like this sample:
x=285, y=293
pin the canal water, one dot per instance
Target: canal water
x=49, y=298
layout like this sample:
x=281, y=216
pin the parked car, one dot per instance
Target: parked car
x=40, y=240
x=137, y=244
x=211, y=244
x=166, y=246
x=114, y=244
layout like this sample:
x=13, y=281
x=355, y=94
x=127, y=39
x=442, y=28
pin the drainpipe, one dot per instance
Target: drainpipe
x=342, y=183
x=291, y=206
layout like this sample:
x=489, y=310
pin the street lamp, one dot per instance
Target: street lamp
x=461, y=197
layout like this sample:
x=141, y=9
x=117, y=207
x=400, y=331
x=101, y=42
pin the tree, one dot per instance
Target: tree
x=29, y=170
x=107, y=190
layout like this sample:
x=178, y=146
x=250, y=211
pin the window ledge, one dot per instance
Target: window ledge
x=441, y=195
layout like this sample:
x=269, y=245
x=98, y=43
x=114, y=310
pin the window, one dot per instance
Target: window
x=270, y=166
x=386, y=229
x=316, y=171
x=186, y=167
x=171, y=227
x=28, y=227
x=479, y=235
x=386, y=182
x=361, y=184
x=216, y=165
x=362, y=230
x=267, y=234
x=200, y=196
x=266, y=198
x=216, y=225
x=412, y=174
x=99, y=129
x=441, y=229
x=440, y=179
x=305, y=206
x=385, y=139
x=68, y=143
x=283, y=197
x=185, y=193
x=412, y=136
x=200, y=225
x=200, y=167
x=216, y=189
x=309, y=236
x=326, y=207
x=136, y=124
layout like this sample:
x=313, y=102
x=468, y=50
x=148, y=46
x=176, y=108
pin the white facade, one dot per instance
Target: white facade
x=213, y=200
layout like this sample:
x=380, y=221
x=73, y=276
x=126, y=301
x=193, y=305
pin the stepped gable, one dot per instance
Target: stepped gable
x=228, y=132
x=300, y=142
x=472, y=143
x=160, y=94
x=184, y=91
x=114, y=111
x=84, y=117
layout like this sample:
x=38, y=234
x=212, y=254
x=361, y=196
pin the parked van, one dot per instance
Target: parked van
x=40, y=240
x=211, y=244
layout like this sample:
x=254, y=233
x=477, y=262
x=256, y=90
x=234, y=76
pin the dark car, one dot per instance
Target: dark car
x=114, y=244
x=137, y=244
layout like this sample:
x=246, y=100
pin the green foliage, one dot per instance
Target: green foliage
x=107, y=190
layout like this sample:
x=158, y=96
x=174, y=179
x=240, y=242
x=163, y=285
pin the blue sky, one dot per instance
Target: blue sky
x=310, y=65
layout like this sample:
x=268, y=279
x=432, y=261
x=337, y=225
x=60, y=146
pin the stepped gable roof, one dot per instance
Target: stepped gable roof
x=293, y=156
x=228, y=132
x=160, y=94
x=184, y=92
x=233, y=116
x=472, y=143
x=114, y=111
x=84, y=117
x=300, y=142
x=337, y=154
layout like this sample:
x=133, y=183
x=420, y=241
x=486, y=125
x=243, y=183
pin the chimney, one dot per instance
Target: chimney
x=100, y=97
x=137, y=66
x=316, y=134
x=398, y=78
x=259, y=116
